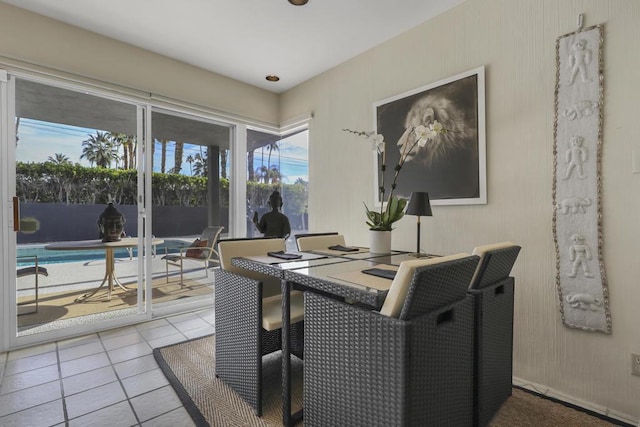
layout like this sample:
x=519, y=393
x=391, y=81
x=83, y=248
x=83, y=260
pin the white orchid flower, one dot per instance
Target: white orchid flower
x=377, y=142
x=436, y=126
x=423, y=135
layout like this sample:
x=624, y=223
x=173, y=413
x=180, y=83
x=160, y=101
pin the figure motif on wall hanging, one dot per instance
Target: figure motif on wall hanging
x=579, y=58
x=573, y=205
x=579, y=254
x=576, y=155
x=580, y=109
x=584, y=302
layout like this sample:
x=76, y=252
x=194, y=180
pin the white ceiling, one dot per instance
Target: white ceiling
x=247, y=39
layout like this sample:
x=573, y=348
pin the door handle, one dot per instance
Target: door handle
x=16, y=214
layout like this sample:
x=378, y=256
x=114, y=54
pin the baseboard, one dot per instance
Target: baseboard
x=589, y=406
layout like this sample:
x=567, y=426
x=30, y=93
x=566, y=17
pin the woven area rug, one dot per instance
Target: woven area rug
x=189, y=367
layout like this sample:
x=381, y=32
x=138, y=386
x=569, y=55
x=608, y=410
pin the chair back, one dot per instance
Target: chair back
x=211, y=234
x=231, y=248
x=310, y=242
x=426, y=284
x=496, y=262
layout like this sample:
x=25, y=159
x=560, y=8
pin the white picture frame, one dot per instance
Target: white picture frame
x=453, y=172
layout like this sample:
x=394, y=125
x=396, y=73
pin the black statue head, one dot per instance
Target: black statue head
x=111, y=224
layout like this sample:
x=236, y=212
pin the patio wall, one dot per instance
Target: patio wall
x=60, y=222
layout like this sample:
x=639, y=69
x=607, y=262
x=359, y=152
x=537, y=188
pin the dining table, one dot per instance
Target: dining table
x=110, y=279
x=341, y=274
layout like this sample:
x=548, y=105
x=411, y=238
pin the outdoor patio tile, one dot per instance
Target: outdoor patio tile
x=168, y=340
x=88, y=380
x=84, y=364
x=135, y=366
x=176, y=418
x=119, y=414
x=80, y=351
x=73, y=342
x=29, y=397
x=160, y=332
x=200, y=332
x=94, y=399
x=145, y=382
x=133, y=337
x=154, y=403
x=22, y=380
x=31, y=351
x=42, y=415
x=31, y=362
x=129, y=352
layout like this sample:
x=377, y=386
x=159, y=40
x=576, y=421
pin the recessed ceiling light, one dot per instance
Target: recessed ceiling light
x=272, y=78
x=298, y=2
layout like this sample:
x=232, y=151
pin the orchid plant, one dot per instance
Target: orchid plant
x=393, y=209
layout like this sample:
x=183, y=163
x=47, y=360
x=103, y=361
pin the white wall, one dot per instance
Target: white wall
x=515, y=41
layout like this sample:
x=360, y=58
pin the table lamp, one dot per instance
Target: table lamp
x=419, y=205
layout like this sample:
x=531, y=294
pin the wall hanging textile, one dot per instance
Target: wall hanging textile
x=577, y=185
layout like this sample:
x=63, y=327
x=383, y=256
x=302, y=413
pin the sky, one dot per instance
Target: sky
x=38, y=140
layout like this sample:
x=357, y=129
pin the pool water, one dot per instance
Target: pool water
x=57, y=257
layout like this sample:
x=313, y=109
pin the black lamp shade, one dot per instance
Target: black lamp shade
x=419, y=204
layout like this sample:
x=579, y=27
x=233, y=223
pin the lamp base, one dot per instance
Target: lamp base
x=419, y=255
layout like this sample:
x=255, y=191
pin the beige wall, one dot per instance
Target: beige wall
x=515, y=41
x=35, y=39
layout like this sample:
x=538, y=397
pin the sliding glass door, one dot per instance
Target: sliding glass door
x=190, y=204
x=76, y=160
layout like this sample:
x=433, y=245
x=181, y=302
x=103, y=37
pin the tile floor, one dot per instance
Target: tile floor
x=104, y=379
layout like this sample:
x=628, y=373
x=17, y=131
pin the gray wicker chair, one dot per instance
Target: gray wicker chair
x=248, y=310
x=493, y=290
x=310, y=241
x=364, y=368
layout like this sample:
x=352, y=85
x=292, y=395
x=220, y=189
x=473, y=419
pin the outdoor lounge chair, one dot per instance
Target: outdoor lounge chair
x=248, y=309
x=493, y=291
x=411, y=364
x=35, y=271
x=202, y=250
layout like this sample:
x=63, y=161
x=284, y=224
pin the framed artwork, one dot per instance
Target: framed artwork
x=452, y=166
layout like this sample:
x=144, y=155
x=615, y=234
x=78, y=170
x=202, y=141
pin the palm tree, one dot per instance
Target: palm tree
x=252, y=175
x=59, y=159
x=177, y=157
x=100, y=150
x=163, y=159
x=223, y=163
x=190, y=160
x=271, y=147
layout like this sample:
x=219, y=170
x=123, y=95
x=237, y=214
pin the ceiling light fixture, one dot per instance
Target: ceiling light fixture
x=298, y=2
x=272, y=78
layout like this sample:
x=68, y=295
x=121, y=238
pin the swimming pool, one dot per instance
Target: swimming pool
x=57, y=257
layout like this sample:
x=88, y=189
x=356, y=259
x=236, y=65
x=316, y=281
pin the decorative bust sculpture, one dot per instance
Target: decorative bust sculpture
x=111, y=224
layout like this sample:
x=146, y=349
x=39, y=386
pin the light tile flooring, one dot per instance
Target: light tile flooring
x=104, y=379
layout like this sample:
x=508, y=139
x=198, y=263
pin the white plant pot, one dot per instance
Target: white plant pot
x=379, y=242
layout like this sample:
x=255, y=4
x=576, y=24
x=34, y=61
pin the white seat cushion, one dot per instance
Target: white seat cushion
x=394, y=301
x=319, y=242
x=272, y=310
x=481, y=251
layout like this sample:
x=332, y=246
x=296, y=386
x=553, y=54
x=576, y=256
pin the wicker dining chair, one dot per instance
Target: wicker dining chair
x=493, y=292
x=248, y=310
x=410, y=364
x=311, y=241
